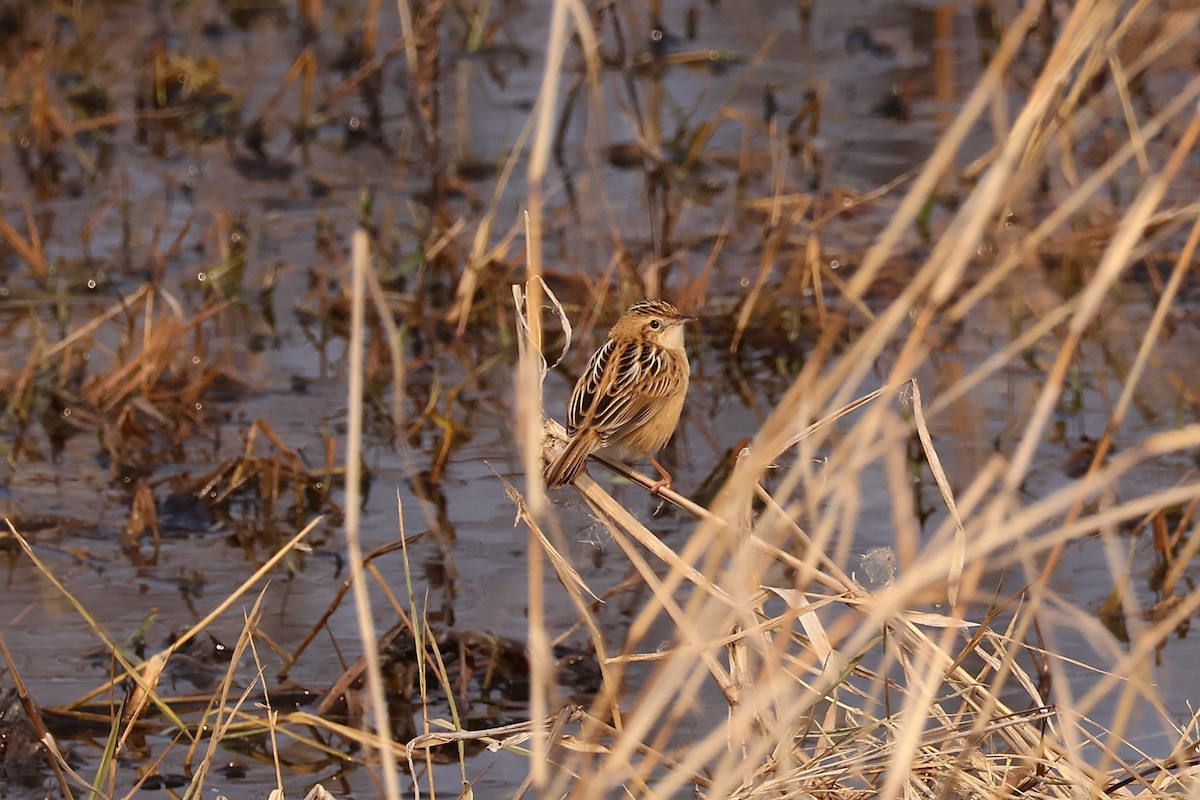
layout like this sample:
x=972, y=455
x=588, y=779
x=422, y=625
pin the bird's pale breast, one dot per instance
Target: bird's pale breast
x=656, y=432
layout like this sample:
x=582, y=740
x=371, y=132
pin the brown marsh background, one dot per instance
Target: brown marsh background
x=994, y=199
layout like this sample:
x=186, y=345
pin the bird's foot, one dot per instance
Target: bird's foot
x=664, y=481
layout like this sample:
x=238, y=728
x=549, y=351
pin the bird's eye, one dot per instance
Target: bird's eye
x=655, y=324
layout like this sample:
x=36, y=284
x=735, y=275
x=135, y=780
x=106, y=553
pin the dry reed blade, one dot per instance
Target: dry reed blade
x=219, y=705
x=360, y=264
x=943, y=483
x=606, y=700
x=29, y=251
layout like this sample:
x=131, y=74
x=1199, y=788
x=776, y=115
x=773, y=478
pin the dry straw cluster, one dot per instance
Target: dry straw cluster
x=837, y=690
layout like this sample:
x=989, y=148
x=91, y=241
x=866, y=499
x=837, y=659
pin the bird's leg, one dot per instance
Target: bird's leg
x=665, y=482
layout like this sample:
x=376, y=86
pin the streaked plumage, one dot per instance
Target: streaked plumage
x=631, y=393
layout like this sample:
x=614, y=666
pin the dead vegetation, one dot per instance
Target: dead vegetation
x=939, y=666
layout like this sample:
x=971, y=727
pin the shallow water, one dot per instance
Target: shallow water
x=860, y=57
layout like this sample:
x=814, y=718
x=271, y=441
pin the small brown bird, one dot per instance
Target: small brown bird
x=629, y=397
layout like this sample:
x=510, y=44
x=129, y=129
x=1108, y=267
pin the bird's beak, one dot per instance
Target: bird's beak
x=685, y=318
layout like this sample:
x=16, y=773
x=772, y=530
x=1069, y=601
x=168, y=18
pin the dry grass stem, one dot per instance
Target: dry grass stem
x=360, y=265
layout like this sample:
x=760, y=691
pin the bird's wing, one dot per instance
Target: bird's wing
x=623, y=385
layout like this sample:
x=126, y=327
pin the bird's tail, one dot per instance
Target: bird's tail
x=570, y=461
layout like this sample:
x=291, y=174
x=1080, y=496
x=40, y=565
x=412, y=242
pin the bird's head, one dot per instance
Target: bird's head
x=654, y=321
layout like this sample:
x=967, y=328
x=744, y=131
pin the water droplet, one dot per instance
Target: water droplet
x=66, y=412
x=355, y=123
x=201, y=277
x=834, y=264
x=91, y=284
